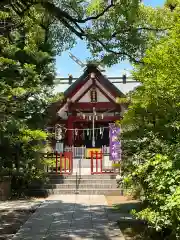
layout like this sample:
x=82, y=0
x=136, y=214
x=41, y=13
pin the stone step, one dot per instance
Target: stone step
x=96, y=176
x=83, y=181
x=81, y=186
x=44, y=193
x=92, y=191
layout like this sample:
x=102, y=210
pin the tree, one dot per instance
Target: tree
x=114, y=30
x=172, y=4
x=152, y=123
x=127, y=30
x=61, y=37
x=26, y=86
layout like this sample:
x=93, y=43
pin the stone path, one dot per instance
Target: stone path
x=71, y=217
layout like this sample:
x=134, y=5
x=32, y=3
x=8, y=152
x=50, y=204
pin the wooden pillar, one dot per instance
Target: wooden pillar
x=70, y=132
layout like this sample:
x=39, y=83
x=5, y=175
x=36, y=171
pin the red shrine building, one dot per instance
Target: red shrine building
x=88, y=107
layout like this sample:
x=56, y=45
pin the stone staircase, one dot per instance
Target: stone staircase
x=73, y=184
x=80, y=182
x=86, y=184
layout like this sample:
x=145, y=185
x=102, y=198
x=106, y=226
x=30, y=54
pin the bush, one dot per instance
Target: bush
x=151, y=128
x=22, y=181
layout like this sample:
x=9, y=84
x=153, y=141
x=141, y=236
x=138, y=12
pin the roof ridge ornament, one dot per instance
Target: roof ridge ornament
x=75, y=59
x=93, y=75
x=83, y=65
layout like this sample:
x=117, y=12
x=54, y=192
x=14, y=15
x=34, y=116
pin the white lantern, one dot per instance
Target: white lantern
x=58, y=132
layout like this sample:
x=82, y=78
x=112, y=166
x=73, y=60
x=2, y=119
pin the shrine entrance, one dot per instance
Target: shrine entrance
x=87, y=160
x=88, y=166
x=66, y=164
x=98, y=163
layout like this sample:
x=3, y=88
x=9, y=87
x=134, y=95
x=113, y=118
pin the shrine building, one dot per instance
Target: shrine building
x=88, y=108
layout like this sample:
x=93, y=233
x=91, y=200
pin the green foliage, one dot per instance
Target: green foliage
x=27, y=73
x=22, y=181
x=151, y=135
x=172, y=4
x=125, y=30
x=56, y=97
x=123, y=100
x=114, y=30
x=50, y=162
x=116, y=165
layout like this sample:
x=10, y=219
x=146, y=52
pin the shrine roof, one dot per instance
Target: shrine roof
x=101, y=78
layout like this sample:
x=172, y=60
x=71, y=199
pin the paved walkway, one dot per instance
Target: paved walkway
x=71, y=217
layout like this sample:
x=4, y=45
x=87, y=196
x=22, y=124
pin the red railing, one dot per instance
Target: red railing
x=97, y=158
x=64, y=163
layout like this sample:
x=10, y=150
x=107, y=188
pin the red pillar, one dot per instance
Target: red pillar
x=70, y=132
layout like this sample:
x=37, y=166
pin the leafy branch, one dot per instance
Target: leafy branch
x=72, y=23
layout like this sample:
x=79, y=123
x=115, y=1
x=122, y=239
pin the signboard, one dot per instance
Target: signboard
x=59, y=147
x=115, y=144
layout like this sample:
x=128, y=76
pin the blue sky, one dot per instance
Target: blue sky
x=65, y=65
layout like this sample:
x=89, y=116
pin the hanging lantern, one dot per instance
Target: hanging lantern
x=58, y=132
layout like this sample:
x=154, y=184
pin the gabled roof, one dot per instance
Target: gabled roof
x=101, y=78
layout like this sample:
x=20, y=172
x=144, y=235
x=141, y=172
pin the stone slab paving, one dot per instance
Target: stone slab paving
x=71, y=217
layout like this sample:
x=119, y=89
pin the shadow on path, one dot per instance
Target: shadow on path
x=71, y=217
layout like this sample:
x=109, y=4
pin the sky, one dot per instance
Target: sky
x=65, y=65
